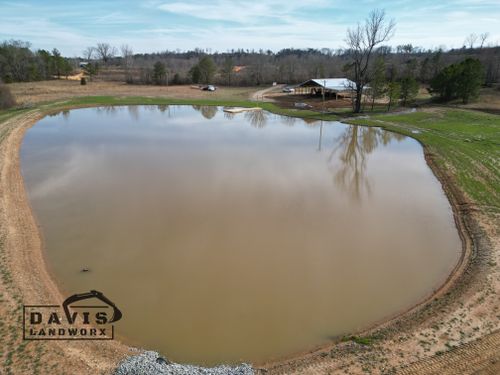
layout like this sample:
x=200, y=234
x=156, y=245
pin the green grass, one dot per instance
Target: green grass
x=465, y=143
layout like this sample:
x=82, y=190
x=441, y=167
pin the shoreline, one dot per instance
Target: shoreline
x=28, y=262
x=405, y=316
x=23, y=246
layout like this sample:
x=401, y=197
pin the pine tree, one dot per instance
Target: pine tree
x=393, y=92
x=461, y=80
x=227, y=69
x=159, y=73
x=378, y=83
x=409, y=90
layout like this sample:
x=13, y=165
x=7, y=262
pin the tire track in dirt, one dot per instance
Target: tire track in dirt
x=481, y=356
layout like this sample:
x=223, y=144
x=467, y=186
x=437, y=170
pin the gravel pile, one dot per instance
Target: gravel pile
x=151, y=363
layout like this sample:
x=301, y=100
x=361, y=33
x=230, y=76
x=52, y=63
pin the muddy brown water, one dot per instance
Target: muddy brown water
x=226, y=238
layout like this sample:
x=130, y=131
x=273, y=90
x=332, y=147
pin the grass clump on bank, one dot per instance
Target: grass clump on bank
x=358, y=340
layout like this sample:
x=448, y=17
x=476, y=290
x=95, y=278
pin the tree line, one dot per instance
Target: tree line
x=18, y=63
x=376, y=68
x=250, y=67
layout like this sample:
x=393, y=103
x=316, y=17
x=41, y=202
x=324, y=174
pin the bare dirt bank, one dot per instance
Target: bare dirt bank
x=26, y=280
x=463, y=313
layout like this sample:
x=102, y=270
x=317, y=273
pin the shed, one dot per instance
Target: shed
x=316, y=86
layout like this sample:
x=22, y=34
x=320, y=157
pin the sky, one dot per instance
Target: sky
x=221, y=25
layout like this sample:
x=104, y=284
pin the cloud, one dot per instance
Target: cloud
x=157, y=25
x=241, y=11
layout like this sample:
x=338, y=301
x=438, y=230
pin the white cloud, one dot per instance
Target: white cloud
x=241, y=11
x=157, y=25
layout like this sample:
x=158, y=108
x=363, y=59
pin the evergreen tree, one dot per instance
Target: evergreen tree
x=393, y=92
x=227, y=69
x=57, y=62
x=207, y=69
x=408, y=89
x=378, y=83
x=195, y=74
x=91, y=69
x=159, y=73
x=461, y=80
x=470, y=80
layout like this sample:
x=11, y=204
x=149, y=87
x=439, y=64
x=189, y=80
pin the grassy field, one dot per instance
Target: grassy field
x=45, y=91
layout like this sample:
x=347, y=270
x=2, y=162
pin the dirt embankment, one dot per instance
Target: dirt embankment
x=455, y=331
x=25, y=279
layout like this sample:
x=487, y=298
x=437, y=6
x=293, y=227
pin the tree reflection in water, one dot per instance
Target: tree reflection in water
x=207, y=111
x=133, y=110
x=258, y=119
x=353, y=147
x=229, y=115
x=163, y=108
x=108, y=110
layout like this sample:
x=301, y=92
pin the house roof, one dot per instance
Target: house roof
x=334, y=84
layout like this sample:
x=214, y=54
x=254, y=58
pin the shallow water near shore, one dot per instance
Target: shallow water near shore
x=227, y=238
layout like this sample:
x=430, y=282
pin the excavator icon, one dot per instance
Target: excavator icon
x=117, y=314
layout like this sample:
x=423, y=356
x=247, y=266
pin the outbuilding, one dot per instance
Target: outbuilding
x=329, y=86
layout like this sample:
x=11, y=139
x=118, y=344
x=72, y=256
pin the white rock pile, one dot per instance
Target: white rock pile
x=151, y=363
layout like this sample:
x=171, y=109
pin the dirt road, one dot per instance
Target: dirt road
x=260, y=95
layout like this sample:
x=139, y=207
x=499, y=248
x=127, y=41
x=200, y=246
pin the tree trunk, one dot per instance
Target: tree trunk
x=357, y=106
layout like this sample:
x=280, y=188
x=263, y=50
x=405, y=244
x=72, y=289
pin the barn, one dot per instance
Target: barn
x=338, y=87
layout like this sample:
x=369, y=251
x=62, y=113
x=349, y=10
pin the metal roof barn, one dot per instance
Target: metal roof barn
x=331, y=84
x=337, y=87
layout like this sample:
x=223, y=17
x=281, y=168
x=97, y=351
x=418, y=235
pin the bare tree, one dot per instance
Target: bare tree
x=105, y=51
x=470, y=40
x=88, y=53
x=361, y=41
x=128, y=60
x=482, y=39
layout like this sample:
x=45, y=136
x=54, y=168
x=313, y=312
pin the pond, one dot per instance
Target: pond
x=246, y=237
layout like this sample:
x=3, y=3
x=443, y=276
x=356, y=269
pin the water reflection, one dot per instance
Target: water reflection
x=289, y=121
x=352, y=148
x=207, y=111
x=133, y=111
x=257, y=119
x=311, y=121
x=163, y=108
x=108, y=110
x=229, y=115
